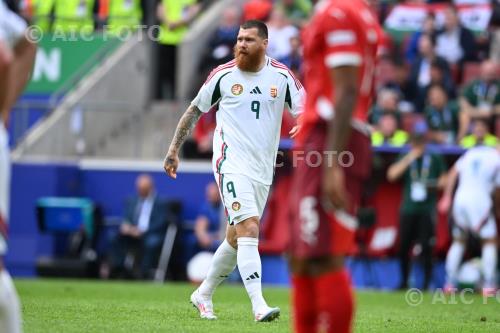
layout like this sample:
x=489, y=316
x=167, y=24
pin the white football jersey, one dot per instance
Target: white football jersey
x=478, y=172
x=249, y=110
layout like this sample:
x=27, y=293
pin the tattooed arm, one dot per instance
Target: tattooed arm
x=184, y=128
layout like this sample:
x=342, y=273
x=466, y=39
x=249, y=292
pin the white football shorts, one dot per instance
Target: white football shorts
x=473, y=214
x=242, y=196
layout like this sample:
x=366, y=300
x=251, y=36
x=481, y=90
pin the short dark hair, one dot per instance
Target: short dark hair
x=259, y=25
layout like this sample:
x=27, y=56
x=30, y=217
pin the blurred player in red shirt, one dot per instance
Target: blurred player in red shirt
x=340, y=50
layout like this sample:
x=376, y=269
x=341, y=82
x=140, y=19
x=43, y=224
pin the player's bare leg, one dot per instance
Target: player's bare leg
x=17, y=76
x=223, y=263
x=453, y=259
x=489, y=263
x=10, y=313
x=314, y=282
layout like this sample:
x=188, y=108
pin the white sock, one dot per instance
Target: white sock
x=250, y=269
x=223, y=263
x=10, y=313
x=453, y=259
x=489, y=261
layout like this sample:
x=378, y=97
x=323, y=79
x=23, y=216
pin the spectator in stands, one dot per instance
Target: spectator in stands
x=420, y=76
x=175, y=17
x=422, y=173
x=495, y=32
x=207, y=227
x=387, y=103
x=400, y=81
x=123, y=16
x=294, y=59
x=442, y=76
x=220, y=47
x=428, y=28
x=441, y=115
x=38, y=12
x=454, y=42
x=141, y=234
x=297, y=11
x=481, y=98
x=280, y=34
x=74, y=16
x=480, y=135
x=387, y=133
x=257, y=10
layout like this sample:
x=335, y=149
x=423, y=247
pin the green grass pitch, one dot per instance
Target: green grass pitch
x=66, y=306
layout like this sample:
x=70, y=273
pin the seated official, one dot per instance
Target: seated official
x=387, y=103
x=442, y=116
x=207, y=227
x=480, y=99
x=387, y=133
x=480, y=135
x=138, y=244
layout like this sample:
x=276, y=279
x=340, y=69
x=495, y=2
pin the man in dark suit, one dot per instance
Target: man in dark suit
x=454, y=42
x=141, y=234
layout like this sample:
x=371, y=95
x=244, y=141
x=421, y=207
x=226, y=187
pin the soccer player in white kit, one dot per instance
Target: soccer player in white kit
x=478, y=173
x=17, y=55
x=249, y=95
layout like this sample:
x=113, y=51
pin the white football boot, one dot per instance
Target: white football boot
x=267, y=314
x=204, y=305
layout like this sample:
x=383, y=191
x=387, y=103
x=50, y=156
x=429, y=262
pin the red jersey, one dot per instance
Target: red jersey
x=341, y=33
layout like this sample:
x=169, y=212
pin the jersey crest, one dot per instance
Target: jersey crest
x=274, y=91
x=237, y=89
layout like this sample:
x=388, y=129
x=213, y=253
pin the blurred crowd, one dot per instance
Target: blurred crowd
x=440, y=62
x=440, y=72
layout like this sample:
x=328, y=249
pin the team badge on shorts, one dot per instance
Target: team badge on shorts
x=237, y=89
x=236, y=206
x=274, y=91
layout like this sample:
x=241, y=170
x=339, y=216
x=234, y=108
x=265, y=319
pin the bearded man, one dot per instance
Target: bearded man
x=248, y=95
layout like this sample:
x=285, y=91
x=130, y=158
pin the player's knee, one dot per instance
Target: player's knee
x=248, y=228
x=232, y=240
x=459, y=240
x=486, y=241
x=5, y=57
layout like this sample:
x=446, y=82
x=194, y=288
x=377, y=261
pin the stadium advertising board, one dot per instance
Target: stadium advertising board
x=57, y=60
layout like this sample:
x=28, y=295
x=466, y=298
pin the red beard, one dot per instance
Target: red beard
x=248, y=62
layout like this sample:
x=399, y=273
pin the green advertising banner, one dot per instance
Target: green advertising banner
x=59, y=59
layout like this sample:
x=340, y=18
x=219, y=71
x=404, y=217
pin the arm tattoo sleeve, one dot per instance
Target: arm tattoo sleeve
x=185, y=126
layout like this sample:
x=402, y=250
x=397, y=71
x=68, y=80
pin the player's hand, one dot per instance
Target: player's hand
x=125, y=229
x=170, y=165
x=135, y=232
x=333, y=188
x=444, y=204
x=294, y=131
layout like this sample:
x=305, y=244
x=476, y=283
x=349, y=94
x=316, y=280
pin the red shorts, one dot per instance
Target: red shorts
x=316, y=232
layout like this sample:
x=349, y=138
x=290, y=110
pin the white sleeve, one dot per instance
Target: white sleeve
x=497, y=176
x=296, y=96
x=459, y=164
x=209, y=94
